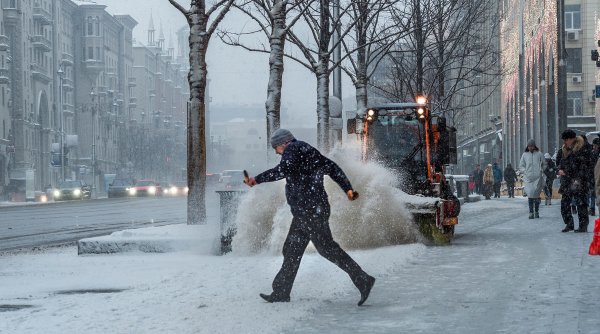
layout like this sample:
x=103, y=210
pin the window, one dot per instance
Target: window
x=574, y=60
x=574, y=107
x=90, y=52
x=572, y=17
x=90, y=26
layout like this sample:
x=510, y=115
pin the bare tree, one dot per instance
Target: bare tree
x=450, y=55
x=271, y=18
x=201, y=30
x=374, y=34
x=317, y=50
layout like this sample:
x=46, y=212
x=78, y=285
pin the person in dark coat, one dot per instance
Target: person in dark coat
x=497, y=179
x=478, y=178
x=304, y=167
x=573, y=169
x=510, y=176
x=593, y=159
x=550, y=172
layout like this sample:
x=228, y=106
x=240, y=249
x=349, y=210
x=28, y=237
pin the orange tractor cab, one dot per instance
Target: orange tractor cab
x=408, y=139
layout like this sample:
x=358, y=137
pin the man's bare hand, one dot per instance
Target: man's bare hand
x=561, y=172
x=352, y=195
x=250, y=182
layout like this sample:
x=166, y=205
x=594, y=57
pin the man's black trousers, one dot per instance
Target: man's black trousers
x=315, y=229
x=581, y=201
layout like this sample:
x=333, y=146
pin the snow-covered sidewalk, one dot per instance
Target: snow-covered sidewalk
x=503, y=273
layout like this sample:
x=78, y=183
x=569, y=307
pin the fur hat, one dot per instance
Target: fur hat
x=568, y=134
x=281, y=136
x=531, y=142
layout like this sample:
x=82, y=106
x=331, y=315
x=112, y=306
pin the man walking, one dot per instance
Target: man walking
x=510, y=176
x=573, y=169
x=497, y=179
x=303, y=167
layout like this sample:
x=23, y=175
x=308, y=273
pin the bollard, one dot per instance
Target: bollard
x=228, y=202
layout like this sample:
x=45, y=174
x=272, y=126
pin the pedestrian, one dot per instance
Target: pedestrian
x=510, y=176
x=532, y=164
x=497, y=179
x=593, y=159
x=550, y=173
x=488, y=181
x=574, y=184
x=478, y=178
x=304, y=167
x=471, y=184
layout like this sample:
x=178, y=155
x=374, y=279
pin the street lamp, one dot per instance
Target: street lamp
x=61, y=75
x=93, y=96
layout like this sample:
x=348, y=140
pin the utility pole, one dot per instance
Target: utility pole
x=61, y=75
x=561, y=104
x=93, y=95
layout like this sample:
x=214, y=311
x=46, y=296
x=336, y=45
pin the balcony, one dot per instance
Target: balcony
x=132, y=82
x=132, y=102
x=93, y=65
x=40, y=73
x=68, y=84
x=41, y=42
x=42, y=15
x=4, y=76
x=67, y=59
x=12, y=16
x=4, y=42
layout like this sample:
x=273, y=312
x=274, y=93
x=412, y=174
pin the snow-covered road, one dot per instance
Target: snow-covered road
x=504, y=273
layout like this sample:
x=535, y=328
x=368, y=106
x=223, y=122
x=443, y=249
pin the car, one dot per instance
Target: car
x=232, y=178
x=119, y=187
x=179, y=188
x=145, y=188
x=72, y=189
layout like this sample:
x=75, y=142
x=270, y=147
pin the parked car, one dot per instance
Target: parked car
x=145, y=188
x=119, y=187
x=232, y=178
x=72, y=189
x=179, y=188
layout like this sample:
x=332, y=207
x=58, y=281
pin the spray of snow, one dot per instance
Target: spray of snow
x=377, y=218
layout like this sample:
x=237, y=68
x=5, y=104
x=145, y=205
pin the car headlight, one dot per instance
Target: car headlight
x=173, y=190
x=186, y=189
x=132, y=191
x=56, y=193
x=152, y=190
x=77, y=192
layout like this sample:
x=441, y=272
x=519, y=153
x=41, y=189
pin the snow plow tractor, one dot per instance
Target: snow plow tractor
x=418, y=146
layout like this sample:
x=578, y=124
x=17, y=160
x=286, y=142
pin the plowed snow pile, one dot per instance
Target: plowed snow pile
x=378, y=218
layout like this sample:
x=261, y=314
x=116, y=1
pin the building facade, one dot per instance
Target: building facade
x=580, y=32
x=70, y=88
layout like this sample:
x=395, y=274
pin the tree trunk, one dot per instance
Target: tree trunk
x=196, y=136
x=277, y=42
x=362, y=79
x=323, y=107
x=420, y=41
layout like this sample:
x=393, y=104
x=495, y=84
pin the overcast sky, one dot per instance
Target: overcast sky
x=237, y=76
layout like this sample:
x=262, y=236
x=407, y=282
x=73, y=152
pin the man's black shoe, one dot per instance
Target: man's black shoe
x=366, y=290
x=581, y=230
x=272, y=298
x=567, y=229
